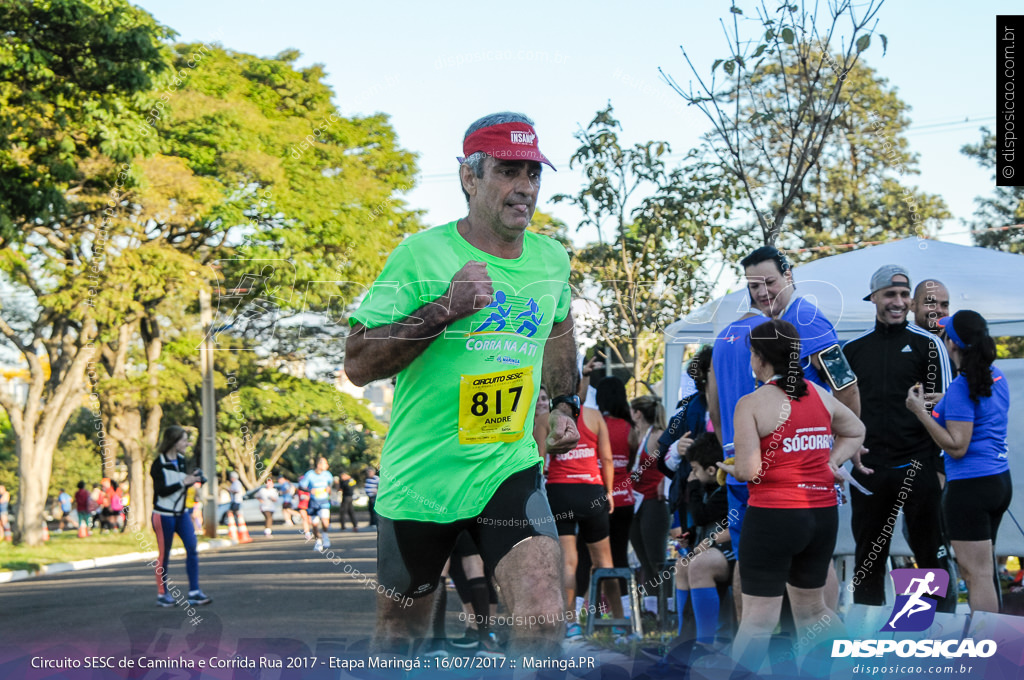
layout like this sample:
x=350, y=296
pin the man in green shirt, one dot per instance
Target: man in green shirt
x=472, y=316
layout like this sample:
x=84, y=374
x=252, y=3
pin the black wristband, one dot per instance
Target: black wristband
x=572, y=400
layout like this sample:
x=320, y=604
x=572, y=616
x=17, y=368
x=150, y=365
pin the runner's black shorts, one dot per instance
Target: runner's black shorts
x=727, y=551
x=786, y=545
x=315, y=509
x=725, y=548
x=973, y=508
x=411, y=554
x=582, y=504
x=464, y=546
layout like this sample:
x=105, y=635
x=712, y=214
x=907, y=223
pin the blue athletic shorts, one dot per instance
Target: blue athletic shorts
x=317, y=510
x=738, y=495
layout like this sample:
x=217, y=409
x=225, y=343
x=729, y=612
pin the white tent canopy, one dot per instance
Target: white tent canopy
x=987, y=281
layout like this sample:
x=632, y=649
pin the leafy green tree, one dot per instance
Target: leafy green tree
x=76, y=460
x=349, y=447
x=997, y=215
x=552, y=227
x=267, y=411
x=776, y=104
x=231, y=190
x=656, y=228
x=76, y=76
x=293, y=184
x=223, y=174
x=8, y=459
x=317, y=195
x=858, y=189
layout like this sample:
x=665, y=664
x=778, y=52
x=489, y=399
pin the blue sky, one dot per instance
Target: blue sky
x=436, y=67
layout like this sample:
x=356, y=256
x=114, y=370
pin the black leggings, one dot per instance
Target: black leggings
x=786, y=546
x=974, y=507
x=649, y=536
x=620, y=522
x=347, y=511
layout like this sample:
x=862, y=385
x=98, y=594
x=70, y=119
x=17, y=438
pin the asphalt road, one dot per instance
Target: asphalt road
x=275, y=593
x=274, y=598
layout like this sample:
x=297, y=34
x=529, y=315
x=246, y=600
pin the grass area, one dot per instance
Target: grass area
x=67, y=547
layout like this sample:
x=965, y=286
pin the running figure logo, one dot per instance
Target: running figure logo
x=501, y=314
x=914, y=609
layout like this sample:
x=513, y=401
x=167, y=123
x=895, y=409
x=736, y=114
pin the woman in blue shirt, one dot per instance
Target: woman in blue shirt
x=970, y=424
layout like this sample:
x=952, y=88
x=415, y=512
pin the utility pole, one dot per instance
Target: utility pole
x=208, y=433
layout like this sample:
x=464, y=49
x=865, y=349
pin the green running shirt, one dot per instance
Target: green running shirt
x=462, y=417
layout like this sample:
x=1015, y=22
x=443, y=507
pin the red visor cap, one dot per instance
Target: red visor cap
x=506, y=142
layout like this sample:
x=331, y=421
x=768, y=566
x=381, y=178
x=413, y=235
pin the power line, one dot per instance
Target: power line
x=860, y=244
x=957, y=125
x=966, y=119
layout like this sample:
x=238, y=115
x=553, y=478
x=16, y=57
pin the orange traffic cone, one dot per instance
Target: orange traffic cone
x=83, y=530
x=46, y=531
x=243, y=531
x=232, y=528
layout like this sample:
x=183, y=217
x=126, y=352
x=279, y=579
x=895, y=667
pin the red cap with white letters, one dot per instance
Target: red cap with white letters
x=507, y=142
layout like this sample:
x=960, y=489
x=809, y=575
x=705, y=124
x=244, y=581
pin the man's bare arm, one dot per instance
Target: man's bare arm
x=850, y=398
x=559, y=373
x=376, y=353
x=560, y=377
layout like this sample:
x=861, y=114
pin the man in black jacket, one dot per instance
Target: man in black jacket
x=888, y=361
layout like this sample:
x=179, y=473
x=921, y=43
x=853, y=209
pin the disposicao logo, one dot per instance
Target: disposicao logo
x=914, y=610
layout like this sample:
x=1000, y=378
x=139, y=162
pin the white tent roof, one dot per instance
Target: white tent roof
x=985, y=280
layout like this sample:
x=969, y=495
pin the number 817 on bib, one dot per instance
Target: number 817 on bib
x=493, y=407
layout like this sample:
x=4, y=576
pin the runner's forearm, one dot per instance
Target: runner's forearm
x=849, y=397
x=381, y=352
x=560, y=374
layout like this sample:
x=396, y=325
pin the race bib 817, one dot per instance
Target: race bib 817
x=493, y=407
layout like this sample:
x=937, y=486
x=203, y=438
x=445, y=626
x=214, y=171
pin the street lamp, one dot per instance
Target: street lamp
x=208, y=433
x=313, y=418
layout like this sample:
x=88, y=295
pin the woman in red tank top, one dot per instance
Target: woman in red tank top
x=649, y=531
x=579, y=493
x=791, y=438
x=614, y=405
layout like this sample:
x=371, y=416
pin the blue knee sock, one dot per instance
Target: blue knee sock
x=681, y=596
x=705, y=611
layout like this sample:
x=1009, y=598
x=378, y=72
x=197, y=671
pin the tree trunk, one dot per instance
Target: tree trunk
x=124, y=415
x=141, y=492
x=34, y=467
x=124, y=425
x=107, y=461
x=35, y=447
x=243, y=459
x=150, y=330
x=37, y=426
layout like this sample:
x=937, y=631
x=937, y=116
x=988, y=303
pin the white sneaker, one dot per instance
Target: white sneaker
x=327, y=542
x=267, y=532
x=318, y=546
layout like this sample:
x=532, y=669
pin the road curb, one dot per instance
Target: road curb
x=81, y=565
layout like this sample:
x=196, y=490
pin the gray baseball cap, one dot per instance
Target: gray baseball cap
x=883, y=278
